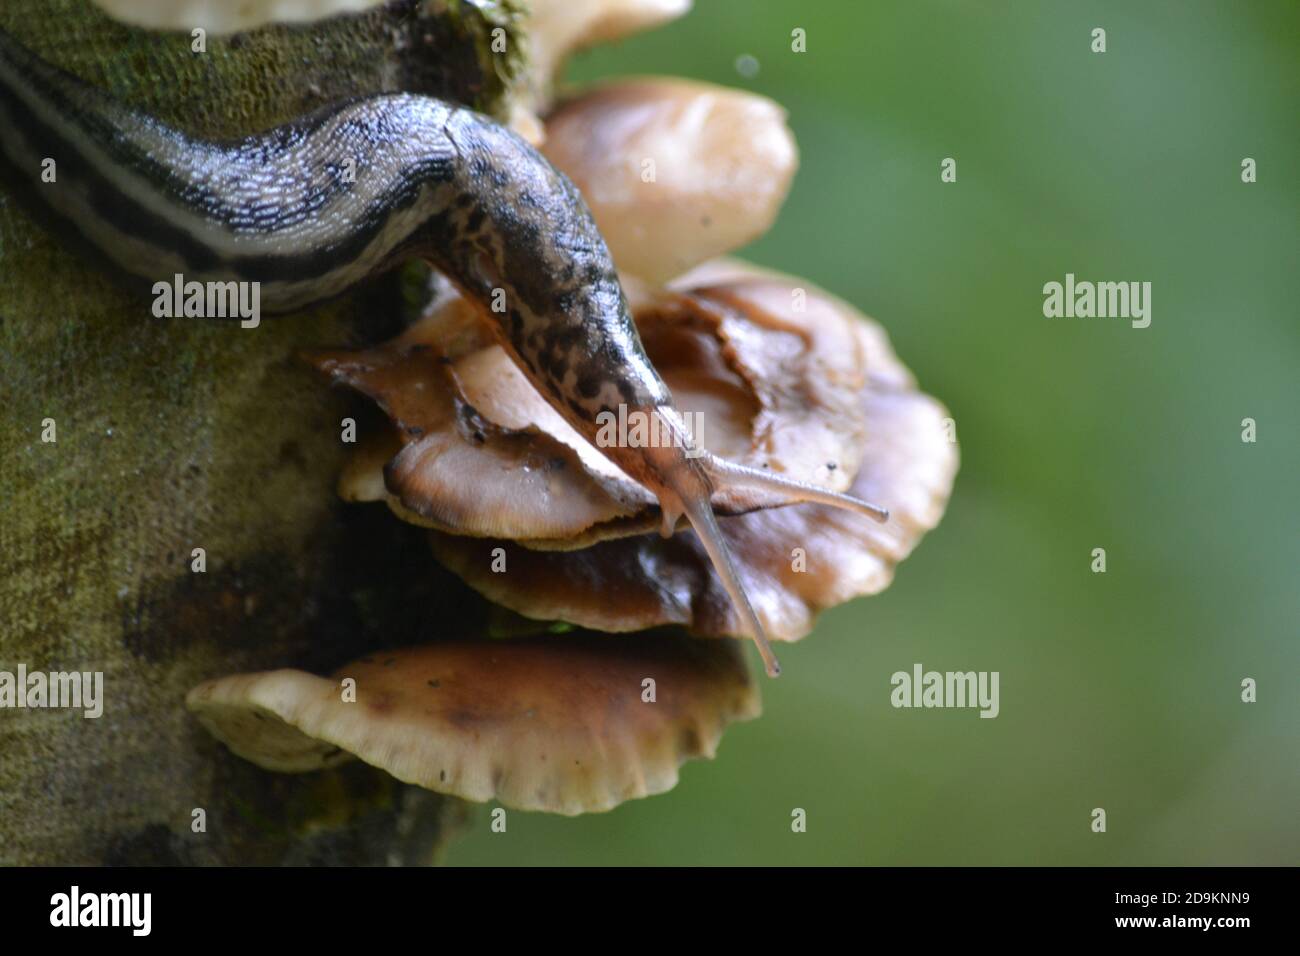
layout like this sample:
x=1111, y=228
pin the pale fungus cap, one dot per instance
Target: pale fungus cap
x=560, y=724
x=556, y=29
x=676, y=172
x=226, y=16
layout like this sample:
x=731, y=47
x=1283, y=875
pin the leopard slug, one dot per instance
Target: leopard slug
x=308, y=209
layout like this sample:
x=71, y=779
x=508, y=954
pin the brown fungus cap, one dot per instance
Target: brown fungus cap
x=445, y=465
x=557, y=724
x=484, y=455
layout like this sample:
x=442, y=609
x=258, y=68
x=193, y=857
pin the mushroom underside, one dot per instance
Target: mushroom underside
x=572, y=723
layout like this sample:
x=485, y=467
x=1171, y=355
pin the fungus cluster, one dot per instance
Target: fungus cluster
x=779, y=374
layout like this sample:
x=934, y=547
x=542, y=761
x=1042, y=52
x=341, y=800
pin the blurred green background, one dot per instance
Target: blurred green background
x=1118, y=690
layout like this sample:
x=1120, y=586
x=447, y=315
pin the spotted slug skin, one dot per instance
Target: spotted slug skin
x=309, y=209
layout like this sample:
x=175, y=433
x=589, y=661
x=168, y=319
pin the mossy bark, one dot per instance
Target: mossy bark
x=173, y=435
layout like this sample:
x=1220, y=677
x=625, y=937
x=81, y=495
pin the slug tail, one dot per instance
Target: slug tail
x=725, y=473
x=700, y=513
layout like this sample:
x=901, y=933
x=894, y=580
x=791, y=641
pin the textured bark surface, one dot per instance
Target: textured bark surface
x=181, y=434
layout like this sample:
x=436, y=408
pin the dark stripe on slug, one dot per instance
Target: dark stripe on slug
x=318, y=179
x=100, y=151
x=120, y=133
x=73, y=171
x=106, y=201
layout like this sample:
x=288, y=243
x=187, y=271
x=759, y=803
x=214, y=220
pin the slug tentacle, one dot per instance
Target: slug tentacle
x=728, y=474
x=311, y=208
x=705, y=525
x=684, y=478
x=716, y=473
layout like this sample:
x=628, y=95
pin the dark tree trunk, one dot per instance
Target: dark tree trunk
x=181, y=434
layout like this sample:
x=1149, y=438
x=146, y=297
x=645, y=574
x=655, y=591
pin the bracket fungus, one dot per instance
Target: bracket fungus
x=482, y=454
x=560, y=723
x=812, y=391
x=768, y=372
x=555, y=721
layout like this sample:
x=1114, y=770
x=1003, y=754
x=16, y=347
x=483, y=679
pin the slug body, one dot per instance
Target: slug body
x=309, y=209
